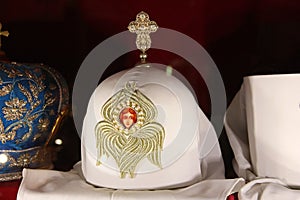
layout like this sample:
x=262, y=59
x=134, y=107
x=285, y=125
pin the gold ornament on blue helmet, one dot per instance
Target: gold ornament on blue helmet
x=33, y=100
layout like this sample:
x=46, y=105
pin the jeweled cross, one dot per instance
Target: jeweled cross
x=3, y=33
x=142, y=26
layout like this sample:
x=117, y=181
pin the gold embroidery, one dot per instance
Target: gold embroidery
x=34, y=90
x=5, y=89
x=36, y=137
x=24, y=159
x=49, y=99
x=25, y=92
x=10, y=176
x=129, y=132
x=12, y=73
x=41, y=158
x=15, y=109
x=43, y=124
x=7, y=136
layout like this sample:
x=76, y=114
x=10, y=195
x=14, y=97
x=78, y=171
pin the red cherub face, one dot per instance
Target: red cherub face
x=128, y=117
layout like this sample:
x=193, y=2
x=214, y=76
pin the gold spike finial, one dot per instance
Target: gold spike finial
x=142, y=26
x=3, y=33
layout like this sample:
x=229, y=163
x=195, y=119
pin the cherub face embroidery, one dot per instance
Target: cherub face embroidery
x=128, y=117
x=129, y=132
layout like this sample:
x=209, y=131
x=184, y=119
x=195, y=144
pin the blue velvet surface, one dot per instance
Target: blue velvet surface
x=31, y=97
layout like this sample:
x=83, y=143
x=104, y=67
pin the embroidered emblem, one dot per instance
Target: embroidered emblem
x=129, y=132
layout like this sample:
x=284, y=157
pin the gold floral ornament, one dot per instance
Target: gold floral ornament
x=4, y=136
x=142, y=26
x=23, y=112
x=129, y=132
x=15, y=109
x=24, y=159
x=43, y=124
x=34, y=99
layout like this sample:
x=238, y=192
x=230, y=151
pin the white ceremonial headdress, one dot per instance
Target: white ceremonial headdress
x=144, y=125
x=143, y=137
x=164, y=144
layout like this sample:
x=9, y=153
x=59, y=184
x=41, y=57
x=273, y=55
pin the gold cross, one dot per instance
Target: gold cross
x=142, y=26
x=3, y=33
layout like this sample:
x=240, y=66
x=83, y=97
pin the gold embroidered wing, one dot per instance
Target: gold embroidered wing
x=146, y=142
x=129, y=144
x=109, y=141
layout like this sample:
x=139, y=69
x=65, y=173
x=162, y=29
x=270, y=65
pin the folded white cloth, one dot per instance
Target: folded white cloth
x=49, y=184
x=262, y=124
x=268, y=188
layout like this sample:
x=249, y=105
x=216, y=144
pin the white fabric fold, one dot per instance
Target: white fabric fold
x=242, y=127
x=268, y=188
x=49, y=184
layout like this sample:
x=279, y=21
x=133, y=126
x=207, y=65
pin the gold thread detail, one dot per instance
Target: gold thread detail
x=43, y=157
x=129, y=144
x=10, y=176
x=15, y=108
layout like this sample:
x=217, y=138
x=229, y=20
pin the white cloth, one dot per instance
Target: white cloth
x=267, y=188
x=263, y=129
x=49, y=184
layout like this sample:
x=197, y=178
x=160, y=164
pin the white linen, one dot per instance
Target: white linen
x=268, y=188
x=40, y=184
x=262, y=124
x=48, y=184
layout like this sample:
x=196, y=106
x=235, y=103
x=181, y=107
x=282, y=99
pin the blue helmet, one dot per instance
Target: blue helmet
x=33, y=100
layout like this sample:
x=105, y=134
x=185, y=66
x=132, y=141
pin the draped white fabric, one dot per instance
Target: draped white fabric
x=262, y=124
x=50, y=184
x=43, y=184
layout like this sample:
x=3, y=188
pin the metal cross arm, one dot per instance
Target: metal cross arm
x=3, y=33
x=142, y=26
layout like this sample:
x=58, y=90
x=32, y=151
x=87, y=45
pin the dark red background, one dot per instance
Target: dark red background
x=244, y=37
